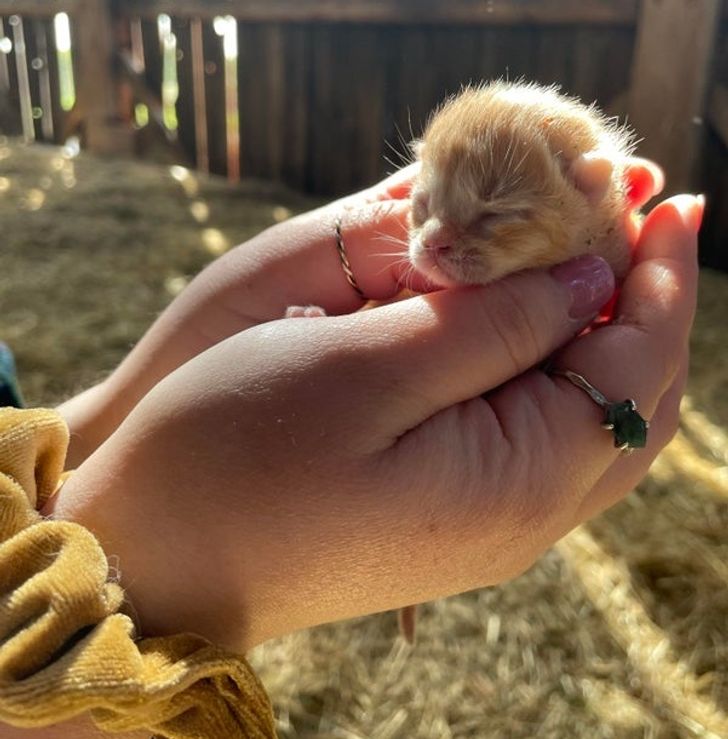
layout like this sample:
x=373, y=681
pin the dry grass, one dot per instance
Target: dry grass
x=620, y=631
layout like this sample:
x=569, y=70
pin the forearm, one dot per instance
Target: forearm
x=195, y=321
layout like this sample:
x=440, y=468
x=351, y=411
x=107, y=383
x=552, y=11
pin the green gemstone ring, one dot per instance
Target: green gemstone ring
x=627, y=426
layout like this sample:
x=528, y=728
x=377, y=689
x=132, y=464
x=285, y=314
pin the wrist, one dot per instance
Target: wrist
x=91, y=417
x=118, y=496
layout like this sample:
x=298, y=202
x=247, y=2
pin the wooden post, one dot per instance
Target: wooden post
x=96, y=85
x=21, y=66
x=44, y=80
x=675, y=43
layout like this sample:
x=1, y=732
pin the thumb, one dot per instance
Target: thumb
x=433, y=351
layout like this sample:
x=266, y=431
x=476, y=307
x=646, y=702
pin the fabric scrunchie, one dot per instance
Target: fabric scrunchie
x=64, y=647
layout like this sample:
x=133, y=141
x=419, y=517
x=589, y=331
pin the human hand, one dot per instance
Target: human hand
x=308, y=471
x=294, y=263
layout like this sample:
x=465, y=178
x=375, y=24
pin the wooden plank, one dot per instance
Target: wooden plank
x=555, y=63
x=96, y=87
x=232, y=107
x=151, y=53
x=198, y=95
x=10, y=122
x=38, y=8
x=600, y=63
x=496, y=12
x=215, y=97
x=674, y=50
x=136, y=41
x=31, y=57
x=297, y=74
x=263, y=100
x=185, y=105
x=57, y=112
x=275, y=98
x=21, y=67
x=4, y=71
x=41, y=67
x=718, y=112
x=142, y=93
x=364, y=124
x=255, y=132
x=328, y=157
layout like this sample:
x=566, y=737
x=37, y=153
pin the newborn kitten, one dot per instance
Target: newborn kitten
x=516, y=176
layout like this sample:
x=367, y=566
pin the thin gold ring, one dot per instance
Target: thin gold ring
x=346, y=266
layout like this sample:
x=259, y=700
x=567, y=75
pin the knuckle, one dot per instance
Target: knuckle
x=514, y=326
x=663, y=356
x=541, y=493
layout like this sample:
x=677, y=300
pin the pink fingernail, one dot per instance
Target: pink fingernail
x=699, y=211
x=591, y=283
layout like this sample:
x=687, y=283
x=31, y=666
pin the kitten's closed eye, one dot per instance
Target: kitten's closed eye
x=485, y=222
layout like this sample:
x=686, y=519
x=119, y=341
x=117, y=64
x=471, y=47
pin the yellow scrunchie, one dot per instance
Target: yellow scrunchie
x=64, y=649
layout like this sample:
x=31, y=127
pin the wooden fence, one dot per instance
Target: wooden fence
x=315, y=92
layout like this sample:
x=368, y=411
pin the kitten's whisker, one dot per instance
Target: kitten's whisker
x=393, y=265
x=389, y=254
x=390, y=238
x=407, y=145
x=396, y=166
x=393, y=240
x=403, y=159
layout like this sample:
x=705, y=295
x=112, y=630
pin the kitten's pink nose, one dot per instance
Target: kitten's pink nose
x=438, y=236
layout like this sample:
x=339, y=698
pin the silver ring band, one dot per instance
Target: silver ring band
x=622, y=419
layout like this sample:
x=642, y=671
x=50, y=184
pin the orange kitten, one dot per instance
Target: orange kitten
x=514, y=176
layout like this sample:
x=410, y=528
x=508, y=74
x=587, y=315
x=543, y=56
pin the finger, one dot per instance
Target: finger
x=628, y=470
x=431, y=352
x=665, y=219
x=644, y=180
x=638, y=357
x=661, y=289
x=398, y=185
x=375, y=233
x=298, y=263
x=375, y=238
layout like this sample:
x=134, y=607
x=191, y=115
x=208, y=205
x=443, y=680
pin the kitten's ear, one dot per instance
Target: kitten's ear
x=417, y=147
x=591, y=174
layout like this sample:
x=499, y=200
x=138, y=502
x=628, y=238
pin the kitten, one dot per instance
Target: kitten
x=516, y=176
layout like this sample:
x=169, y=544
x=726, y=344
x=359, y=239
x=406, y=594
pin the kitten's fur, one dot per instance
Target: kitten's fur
x=516, y=176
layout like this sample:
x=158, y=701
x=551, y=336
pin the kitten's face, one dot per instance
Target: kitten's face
x=480, y=214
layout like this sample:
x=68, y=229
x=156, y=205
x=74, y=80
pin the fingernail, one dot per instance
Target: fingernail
x=591, y=283
x=691, y=209
x=698, y=212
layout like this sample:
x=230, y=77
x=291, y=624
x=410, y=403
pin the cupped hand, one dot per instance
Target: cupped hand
x=294, y=263
x=305, y=471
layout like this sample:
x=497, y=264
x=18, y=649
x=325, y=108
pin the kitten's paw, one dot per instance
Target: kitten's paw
x=408, y=623
x=304, y=311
